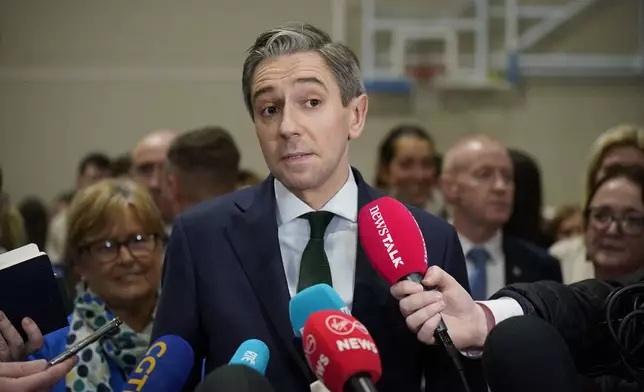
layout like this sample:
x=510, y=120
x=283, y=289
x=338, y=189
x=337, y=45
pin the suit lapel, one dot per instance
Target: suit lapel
x=368, y=285
x=254, y=238
x=513, y=269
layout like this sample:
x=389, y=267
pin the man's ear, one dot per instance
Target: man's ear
x=359, y=107
x=449, y=187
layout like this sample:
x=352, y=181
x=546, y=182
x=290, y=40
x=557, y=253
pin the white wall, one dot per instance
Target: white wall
x=78, y=75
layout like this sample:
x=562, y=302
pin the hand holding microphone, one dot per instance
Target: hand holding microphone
x=396, y=248
x=423, y=310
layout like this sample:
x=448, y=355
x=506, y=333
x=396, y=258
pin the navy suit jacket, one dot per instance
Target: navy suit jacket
x=224, y=283
x=526, y=262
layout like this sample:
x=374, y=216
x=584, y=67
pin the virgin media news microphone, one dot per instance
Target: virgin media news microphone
x=244, y=372
x=341, y=353
x=527, y=354
x=311, y=300
x=396, y=248
x=164, y=368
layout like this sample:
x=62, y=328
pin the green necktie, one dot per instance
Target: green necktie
x=314, y=267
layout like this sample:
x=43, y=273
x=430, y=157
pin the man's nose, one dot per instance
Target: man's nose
x=288, y=123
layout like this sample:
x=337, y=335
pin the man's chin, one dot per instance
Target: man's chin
x=299, y=182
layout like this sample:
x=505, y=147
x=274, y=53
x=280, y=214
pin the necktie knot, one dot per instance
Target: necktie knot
x=319, y=221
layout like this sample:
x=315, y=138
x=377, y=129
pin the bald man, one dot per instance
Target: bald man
x=148, y=159
x=478, y=186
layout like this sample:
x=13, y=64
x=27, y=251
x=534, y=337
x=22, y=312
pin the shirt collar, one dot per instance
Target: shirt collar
x=344, y=203
x=494, y=245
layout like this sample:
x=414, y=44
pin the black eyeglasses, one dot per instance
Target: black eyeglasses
x=140, y=246
x=631, y=223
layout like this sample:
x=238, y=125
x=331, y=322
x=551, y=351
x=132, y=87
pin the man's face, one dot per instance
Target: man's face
x=302, y=126
x=148, y=160
x=485, y=185
x=91, y=175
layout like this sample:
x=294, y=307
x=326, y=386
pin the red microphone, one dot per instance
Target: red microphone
x=392, y=240
x=396, y=248
x=341, y=352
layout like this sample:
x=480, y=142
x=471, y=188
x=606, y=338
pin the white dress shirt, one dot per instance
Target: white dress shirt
x=340, y=238
x=495, y=266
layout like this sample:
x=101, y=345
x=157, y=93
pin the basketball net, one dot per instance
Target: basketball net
x=426, y=95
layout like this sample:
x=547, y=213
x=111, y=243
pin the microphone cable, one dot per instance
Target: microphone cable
x=625, y=322
x=441, y=335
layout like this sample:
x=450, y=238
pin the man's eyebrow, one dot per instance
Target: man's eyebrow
x=308, y=80
x=262, y=91
x=312, y=80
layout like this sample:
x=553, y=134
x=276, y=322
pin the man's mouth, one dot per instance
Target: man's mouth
x=294, y=157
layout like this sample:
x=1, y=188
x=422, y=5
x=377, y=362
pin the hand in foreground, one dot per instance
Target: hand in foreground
x=12, y=347
x=32, y=376
x=465, y=320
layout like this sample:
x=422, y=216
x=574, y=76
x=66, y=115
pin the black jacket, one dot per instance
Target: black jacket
x=578, y=312
x=526, y=262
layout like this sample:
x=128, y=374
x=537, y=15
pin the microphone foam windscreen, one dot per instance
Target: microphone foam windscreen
x=337, y=347
x=392, y=239
x=252, y=353
x=311, y=300
x=527, y=354
x=234, y=378
x=165, y=366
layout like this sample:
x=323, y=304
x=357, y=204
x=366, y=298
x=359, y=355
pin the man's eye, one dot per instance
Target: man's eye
x=269, y=111
x=313, y=103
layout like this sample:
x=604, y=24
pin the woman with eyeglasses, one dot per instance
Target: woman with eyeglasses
x=620, y=145
x=614, y=222
x=115, y=246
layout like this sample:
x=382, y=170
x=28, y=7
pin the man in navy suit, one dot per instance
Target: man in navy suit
x=233, y=263
x=478, y=185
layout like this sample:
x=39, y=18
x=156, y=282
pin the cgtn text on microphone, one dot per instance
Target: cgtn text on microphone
x=164, y=367
x=341, y=352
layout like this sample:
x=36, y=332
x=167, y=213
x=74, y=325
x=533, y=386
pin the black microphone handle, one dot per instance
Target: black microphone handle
x=360, y=383
x=442, y=336
x=417, y=277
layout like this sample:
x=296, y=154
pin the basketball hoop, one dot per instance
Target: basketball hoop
x=424, y=73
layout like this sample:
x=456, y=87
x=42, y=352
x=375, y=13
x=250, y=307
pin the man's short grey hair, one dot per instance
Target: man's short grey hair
x=301, y=38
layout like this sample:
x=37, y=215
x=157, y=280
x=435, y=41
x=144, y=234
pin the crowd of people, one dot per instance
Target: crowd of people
x=109, y=235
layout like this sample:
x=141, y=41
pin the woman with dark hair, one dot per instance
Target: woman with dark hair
x=614, y=222
x=407, y=168
x=526, y=221
x=12, y=234
x=36, y=220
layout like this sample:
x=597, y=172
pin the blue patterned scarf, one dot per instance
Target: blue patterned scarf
x=123, y=348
